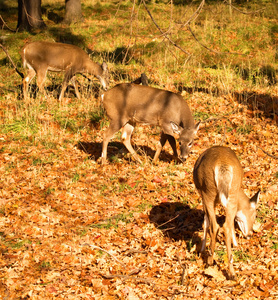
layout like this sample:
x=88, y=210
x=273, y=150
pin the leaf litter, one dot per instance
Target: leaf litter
x=72, y=228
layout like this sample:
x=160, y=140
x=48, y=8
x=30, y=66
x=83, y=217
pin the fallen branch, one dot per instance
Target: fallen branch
x=136, y=271
x=168, y=221
x=128, y=277
x=5, y=24
x=99, y=248
x=15, y=67
x=183, y=269
x=272, y=156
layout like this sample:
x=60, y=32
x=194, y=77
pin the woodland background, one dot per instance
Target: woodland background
x=71, y=228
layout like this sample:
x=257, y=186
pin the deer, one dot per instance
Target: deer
x=127, y=104
x=218, y=177
x=42, y=56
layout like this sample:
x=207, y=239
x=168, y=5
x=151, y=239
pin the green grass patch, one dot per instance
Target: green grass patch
x=113, y=221
x=16, y=243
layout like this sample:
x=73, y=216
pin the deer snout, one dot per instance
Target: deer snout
x=183, y=158
x=184, y=153
x=249, y=235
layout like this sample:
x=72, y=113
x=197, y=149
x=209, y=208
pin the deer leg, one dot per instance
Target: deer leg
x=173, y=145
x=234, y=237
x=126, y=135
x=108, y=134
x=26, y=81
x=206, y=228
x=229, y=232
x=68, y=75
x=213, y=226
x=160, y=145
x=41, y=76
x=73, y=80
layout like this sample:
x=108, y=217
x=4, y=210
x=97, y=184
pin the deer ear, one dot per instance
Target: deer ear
x=104, y=66
x=255, y=199
x=176, y=128
x=197, y=125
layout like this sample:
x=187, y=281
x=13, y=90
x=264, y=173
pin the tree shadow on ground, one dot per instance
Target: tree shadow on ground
x=260, y=104
x=65, y=35
x=118, y=150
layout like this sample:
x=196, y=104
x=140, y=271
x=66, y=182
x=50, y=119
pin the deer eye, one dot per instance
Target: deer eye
x=190, y=144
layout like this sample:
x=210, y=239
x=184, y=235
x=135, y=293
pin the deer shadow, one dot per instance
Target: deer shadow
x=118, y=150
x=178, y=221
x=53, y=89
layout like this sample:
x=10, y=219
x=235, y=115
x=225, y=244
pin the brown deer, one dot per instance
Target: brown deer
x=218, y=178
x=127, y=104
x=42, y=56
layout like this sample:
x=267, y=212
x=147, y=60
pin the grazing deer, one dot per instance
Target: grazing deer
x=42, y=56
x=127, y=104
x=218, y=177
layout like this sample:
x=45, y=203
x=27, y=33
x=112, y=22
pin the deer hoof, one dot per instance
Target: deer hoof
x=232, y=276
x=101, y=160
x=210, y=261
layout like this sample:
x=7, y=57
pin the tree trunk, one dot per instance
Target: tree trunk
x=73, y=12
x=29, y=15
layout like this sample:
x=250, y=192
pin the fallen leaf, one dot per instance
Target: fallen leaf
x=215, y=273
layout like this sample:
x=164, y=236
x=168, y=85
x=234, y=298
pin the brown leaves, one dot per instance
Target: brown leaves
x=143, y=221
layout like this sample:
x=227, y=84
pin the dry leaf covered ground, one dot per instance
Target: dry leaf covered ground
x=74, y=229
x=71, y=228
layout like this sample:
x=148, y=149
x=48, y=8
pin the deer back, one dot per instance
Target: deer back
x=218, y=171
x=43, y=55
x=134, y=103
x=145, y=104
x=218, y=176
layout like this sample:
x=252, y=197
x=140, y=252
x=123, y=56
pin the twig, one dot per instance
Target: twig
x=5, y=24
x=243, y=12
x=15, y=67
x=136, y=271
x=126, y=277
x=99, y=248
x=168, y=221
x=272, y=156
x=194, y=15
x=130, y=37
x=209, y=49
x=183, y=269
x=161, y=31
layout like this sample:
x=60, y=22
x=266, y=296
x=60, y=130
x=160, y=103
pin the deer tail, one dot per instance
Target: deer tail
x=223, y=178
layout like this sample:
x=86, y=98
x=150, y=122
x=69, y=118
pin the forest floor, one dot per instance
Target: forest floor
x=72, y=228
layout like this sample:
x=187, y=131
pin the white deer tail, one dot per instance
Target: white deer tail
x=223, y=176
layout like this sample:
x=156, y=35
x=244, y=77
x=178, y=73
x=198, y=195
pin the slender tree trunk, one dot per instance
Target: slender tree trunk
x=29, y=15
x=73, y=11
